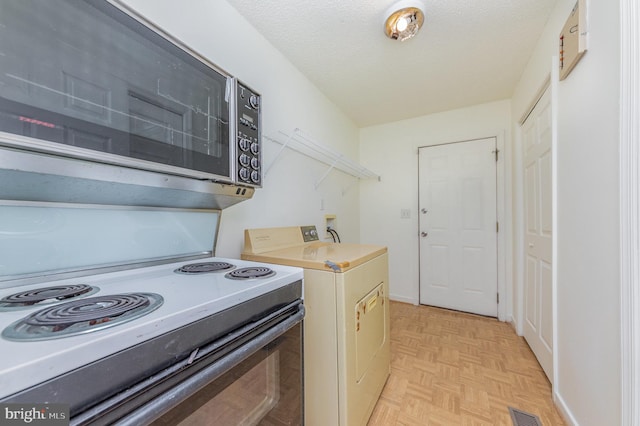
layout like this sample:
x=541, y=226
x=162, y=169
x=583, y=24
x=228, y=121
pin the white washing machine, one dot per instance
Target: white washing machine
x=346, y=325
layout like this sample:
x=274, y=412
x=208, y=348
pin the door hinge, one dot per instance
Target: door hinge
x=497, y=227
x=496, y=151
x=498, y=298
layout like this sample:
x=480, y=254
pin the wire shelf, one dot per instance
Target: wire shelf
x=305, y=144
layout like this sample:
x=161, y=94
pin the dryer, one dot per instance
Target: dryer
x=346, y=325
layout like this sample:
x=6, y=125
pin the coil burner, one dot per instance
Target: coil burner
x=45, y=296
x=251, y=272
x=82, y=316
x=204, y=268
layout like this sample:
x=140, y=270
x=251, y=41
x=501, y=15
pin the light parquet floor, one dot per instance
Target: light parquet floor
x=451, y=368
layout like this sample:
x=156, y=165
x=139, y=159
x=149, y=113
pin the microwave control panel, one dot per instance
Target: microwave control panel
x=249, y=146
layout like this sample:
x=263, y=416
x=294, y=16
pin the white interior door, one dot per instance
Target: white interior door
x=458, y=226
x=538, y=296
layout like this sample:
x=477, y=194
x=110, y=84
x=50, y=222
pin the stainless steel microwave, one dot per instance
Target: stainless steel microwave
x=91, y=79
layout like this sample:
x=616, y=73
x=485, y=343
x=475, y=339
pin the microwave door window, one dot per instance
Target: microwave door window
x=86, y=74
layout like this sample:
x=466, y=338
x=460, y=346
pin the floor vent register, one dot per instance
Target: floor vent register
x=521, y=418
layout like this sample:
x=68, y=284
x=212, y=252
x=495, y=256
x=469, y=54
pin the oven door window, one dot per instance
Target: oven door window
x=265, y=389
x=92, y=78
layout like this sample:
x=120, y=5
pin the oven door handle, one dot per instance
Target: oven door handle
x=155, y=408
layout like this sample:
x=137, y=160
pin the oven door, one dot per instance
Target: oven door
x=259, y=382
x=264, y=389
x=87, y=80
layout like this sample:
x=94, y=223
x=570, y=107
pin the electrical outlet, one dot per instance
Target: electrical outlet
x=405, y=214
x=330, y=222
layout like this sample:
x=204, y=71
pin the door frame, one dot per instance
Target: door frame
x=629, y=210
x=504, y=293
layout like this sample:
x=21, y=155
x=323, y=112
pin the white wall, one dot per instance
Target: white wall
x=588, y=370
x=289, y=197
x=391, y=150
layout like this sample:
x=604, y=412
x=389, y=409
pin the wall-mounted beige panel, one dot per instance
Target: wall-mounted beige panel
x=573, y=39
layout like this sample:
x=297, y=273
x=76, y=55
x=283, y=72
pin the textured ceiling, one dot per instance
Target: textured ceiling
x=468, y=52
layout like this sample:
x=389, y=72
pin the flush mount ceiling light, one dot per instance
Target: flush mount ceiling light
x=404, y=19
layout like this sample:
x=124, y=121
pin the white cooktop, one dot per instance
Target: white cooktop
x=187, y=298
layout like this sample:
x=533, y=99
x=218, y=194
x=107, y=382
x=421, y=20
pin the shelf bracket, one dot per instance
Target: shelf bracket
x=324, y=176
x=282, y=147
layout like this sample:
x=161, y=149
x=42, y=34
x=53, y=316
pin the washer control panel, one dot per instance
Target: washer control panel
x=309, y=233
x=248, y=137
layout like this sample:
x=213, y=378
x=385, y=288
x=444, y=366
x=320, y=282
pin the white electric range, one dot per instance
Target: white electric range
x=160, y=335
x=90, y=327
x=93, y=343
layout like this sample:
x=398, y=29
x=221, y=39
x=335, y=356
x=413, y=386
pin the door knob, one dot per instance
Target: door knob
x=424, y=211
x=424, y=234
x=531, y=245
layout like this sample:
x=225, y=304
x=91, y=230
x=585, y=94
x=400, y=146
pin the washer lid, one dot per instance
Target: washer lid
x=292, y=246
x=337, y=257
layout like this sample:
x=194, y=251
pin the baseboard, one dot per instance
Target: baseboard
x=564, y=410
x=403, y=299
x=512, y=323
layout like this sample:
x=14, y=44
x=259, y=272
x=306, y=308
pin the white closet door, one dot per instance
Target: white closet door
x=538, y=296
